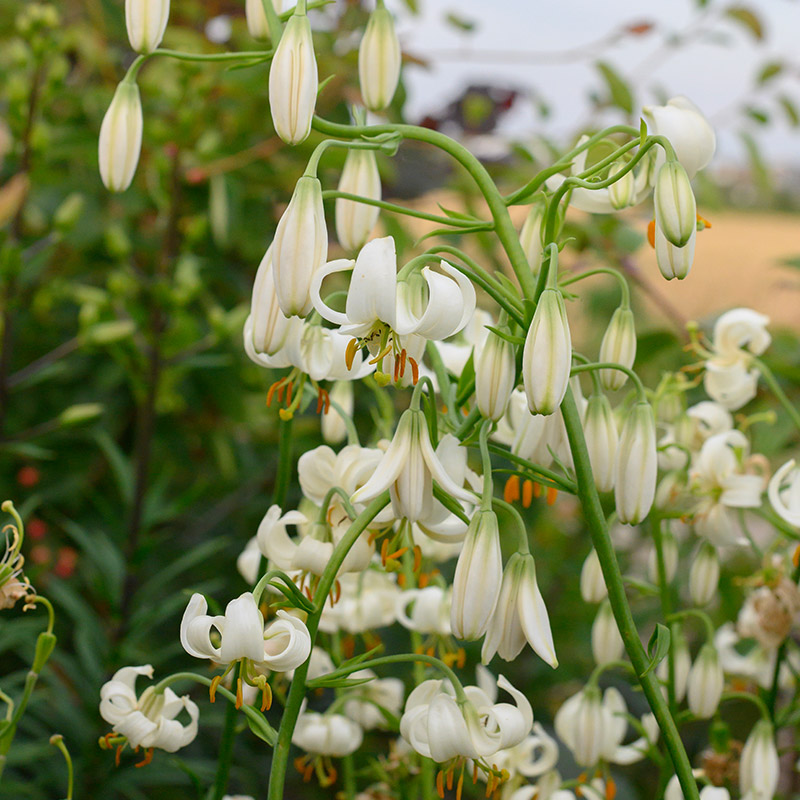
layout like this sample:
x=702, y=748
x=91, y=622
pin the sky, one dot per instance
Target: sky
x=522, y=44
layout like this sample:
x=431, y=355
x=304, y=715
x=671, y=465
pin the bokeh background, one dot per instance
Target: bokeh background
x=134, y=436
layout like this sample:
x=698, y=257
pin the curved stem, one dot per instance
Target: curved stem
x=522, y=531
x=625, y=301
x=57, y=740
x=595, y=519
x=753, y=698
x=291, y=711
x=776, y=389
x=502, y=220
x=636, y=380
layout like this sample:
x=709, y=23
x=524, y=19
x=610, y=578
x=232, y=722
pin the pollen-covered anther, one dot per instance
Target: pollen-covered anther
x=414, y=370
x=511, y=491
x=440, y=784
x=118, y=754
x=148, y=757
x=552, y=494
x=239, y=693
x=266, y=697
x=417, y=558
x=651, y=233
x=212, y=690
x=527, y=493
x=350, y=353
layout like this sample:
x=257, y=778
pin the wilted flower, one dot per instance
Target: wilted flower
x=121, y=137
x=770, y=612
x=148, y=720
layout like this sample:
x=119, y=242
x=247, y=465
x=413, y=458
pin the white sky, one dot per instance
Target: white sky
x=714, y=76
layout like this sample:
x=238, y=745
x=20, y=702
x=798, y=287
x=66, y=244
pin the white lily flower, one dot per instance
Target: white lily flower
x=547, y=355
x=530, y=436
x=379, y=60
x=431, y=610
x=759, y=768
x=368, y=601
x=293, y=81
x=535, y=755
x=637, y=465
x=670, y=547
x=618, y=347
x=149, y=719
x=146, y=21
x=689, y=431
x=593, y=585
x=327, y=734
x=428, y=304
x=607, y=644
x=300, y=246
x=757, y=664
x=287, y=643
x=688, y=131
x=249, y=560
x=706, y=682
x=520, y=615
x=121, y=137
x=495, y=375
x=370, y=698
x=355, y=221
x=784, y=493
x=456, y=350
x=408, y=469
x=593, y=726
x=674, y=791
x=438, y=727
x=241, y=630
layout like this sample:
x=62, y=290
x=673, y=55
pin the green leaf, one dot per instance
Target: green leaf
x=618, y=89
x=790, y=109
x=467, y=376
x=770, y=70
x=757, y=164
x=657, y=647
x=747, y=19
x=462, y=23
x=758, y=115
x=264, y=730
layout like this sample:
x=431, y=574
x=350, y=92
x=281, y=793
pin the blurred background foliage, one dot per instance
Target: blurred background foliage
x=134, y=436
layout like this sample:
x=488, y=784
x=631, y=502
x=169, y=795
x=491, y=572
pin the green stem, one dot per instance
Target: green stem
x=284, y=474
x=522, y=531
x=772, y=697
x=225, y=752
x=58, y=741
x=559, y=481
x=291, y=711
x=635, y=379
x=504, y=227
x=666, y=605
x=596, y=521
x=776, y=389
x=625, y=301
x=445, y=384
x=261, y=55
x=697, y=614
x=753, y=698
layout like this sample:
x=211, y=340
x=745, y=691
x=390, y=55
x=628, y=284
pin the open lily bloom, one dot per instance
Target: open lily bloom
x=408, y=469
x=784, y=493
x=287, y=643
x=327, y=734
x=594, y=726
x=371, y=699
x=756, y=664
x=148, y=720
x=429, y=304
x=430, y=612
x=438, y=727
x=368, y=600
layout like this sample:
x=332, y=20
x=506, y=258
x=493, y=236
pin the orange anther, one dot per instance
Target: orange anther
x=414, y=370
x=117, y=755
x=272, y=391
x=383, y=353
x=338, y=587
x=424, y=580
x=537, y=489
x=475, y=772
x=552, y=493
x=511, y=490
x=706, y=223
x=403, y=356
x=148, y=757
x=796, y=557
x=527, y=494
x=300, y=764
x=460, y=785
x=384, y=551
x=431, y=651
x=212, y=690
x=266, y=697
x=651, y=233
x=401, y=581
x=397, y=553
x=450, y=779
x=308, y=773
x=320, y=401
x=289, y=393
x=440, y=784
x=239, y=693
x=461, y=658
x=350, y=353
x=611, y=789
x=417, y=557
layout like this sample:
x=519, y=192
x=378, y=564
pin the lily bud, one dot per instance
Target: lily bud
x=379, y=60
x=479, y=571
x=495, y=375
x=300, y=247
x=547, y=356
x=256, y=17
x=269, y=326
x=704, y=575
x=706, y=681
x=355, y=221
x=593, y=585
x=334, y=429
x=582, y=722
x=622, y=193
x=670, y=549
x=146, y=21
x=637, y=465
x=674, y=262
x=530, y=237
x=293, y=81
x=759, y=768
x=607, y=644
x=121, y=138
x=676, y=210
x=600, y=431
x=618, y=347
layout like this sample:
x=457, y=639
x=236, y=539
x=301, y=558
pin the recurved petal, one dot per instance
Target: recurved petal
x=372, y=294
x=287, y=643
x=243, y=630
x=196, y=628
x=533, y=616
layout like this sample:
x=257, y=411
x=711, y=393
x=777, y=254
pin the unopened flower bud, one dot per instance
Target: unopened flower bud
x=759, y=768
x=300, y=247
x=379, y=60
x=476, y=584
x=669, y=548
x=256, y=17
x=600, y=431
x=355, y=221
x=334, y=429
x=637, y=465
x=705, y=684
x=618, y=347
x=674, y=262
x=530, y=236
x=121, y=137
x=146, y=21
x=269, y=326
x=704, y=575
x=293, y=81
x=676, y=210
x=547, y=356
x=607, y=644
x=583, y=723
x=495, y=375
x=593, y=585
x=622, y=192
